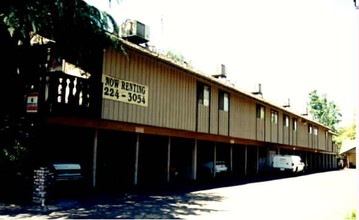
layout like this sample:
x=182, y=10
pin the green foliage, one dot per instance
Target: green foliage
x=345, y=133
x=15, y=153
x=177, y=57
x=352, y=216
x=80, y=29
x=324, y=111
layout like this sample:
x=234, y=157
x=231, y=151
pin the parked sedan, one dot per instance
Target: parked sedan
x=219, y=168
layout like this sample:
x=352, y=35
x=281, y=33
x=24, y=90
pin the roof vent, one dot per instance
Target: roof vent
x=287, y=104
x=221, y=71
x=135, y=31
x=306, y=113
x=258, y=90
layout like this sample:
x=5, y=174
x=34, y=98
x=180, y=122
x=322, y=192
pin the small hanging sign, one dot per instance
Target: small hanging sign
x=32, y=102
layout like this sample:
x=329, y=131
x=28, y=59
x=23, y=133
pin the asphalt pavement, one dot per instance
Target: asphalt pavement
x=325, y=195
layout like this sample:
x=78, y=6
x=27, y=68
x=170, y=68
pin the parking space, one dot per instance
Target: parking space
x=152, y=160
x=122, y=160
x=115, y=160
x=181, y=160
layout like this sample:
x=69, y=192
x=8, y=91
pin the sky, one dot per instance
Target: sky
x=290, y=47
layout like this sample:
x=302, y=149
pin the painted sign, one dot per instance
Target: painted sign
x=124, y=91
x=31, y=102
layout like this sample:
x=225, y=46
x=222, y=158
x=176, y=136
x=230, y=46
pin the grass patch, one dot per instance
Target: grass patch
x=352, y=216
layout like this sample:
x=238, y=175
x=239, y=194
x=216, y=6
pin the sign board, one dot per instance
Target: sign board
x=124, y=91
x=31, y=102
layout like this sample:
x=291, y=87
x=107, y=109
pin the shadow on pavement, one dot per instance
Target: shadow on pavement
x=127, y=206
x=160, y=202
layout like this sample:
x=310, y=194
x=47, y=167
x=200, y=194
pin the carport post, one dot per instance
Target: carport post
x=94, y=159
x=245, y=159
x=135, y=180
x=168, y=160
x=257, y=158
x=194, y=160
x=214, y=159
x=306, y=159
x=231, y=158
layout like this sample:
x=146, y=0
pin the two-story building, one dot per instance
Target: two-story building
x=151, y=120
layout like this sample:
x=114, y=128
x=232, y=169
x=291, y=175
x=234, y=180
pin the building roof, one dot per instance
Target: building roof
x=348, y=146
x=212, y=79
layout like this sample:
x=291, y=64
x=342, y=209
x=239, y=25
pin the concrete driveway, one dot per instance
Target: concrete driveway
x=327, y=195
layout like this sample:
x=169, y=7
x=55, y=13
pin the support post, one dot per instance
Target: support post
x=257, y=158
x=168, y=168
x=231, y=158
x=245, y=160
x=194, y=161
x=94, y=159
x=214, y=159
x=135, y=179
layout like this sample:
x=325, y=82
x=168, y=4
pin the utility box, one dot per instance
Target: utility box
x=135, y=31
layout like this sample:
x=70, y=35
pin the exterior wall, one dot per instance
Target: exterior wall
x=173, y=103
x=172, y=93
x=214, y=110
x=247, y=118
x=321, y=139
x=302, y=134
x=286, y=131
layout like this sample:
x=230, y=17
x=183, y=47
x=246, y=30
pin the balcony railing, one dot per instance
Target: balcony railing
x=66, y=95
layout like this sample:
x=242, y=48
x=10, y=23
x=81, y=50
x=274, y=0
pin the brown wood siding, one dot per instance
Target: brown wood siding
x=203, y=119
x=310, y=141
x=302, y=134
x=223, y=120
x=214, y=110
x=260, y=129
x=321, y=139
x=274, y=132
x=330, y=142
x=171, y=95
x=280, y=127
x=248, y=120
x=235, y=115
x=286, y=132
x=172, y=103
x=268, y=124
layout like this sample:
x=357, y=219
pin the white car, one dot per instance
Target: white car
x=290, y=163
x=219, y=168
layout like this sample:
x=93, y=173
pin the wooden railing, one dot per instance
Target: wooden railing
x=66, y=95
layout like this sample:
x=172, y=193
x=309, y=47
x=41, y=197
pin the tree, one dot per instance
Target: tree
x=80, y=32
x=345, y=133
x=324, y=111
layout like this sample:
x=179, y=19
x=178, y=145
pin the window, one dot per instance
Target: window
x=286, y=121
x=274, y=116
x=310, y=129
x=223, y=101
x=295, y=124
x=260, y=111
x=315, y=131
x=203, y=94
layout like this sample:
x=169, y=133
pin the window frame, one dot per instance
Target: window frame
x=260, y=112
x=295, y=124
x=223, y=101
x=286, y=121
x=203, y=94
x=274, y=116
x=310, y=129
